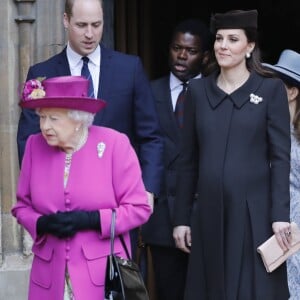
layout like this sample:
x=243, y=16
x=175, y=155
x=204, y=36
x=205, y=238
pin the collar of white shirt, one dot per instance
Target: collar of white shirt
x=176, y=87
x=75, y=62
x=175, y=83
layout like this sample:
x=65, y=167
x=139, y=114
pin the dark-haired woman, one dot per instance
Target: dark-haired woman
x=236, y=158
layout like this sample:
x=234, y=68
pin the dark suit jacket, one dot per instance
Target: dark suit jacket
x=159, y=229
x=130, y=107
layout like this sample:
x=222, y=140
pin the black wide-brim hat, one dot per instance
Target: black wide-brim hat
x=234, y=19
x=68, y=92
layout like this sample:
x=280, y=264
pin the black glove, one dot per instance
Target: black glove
x=78, y=220
x=66, y=224
x=49, y=224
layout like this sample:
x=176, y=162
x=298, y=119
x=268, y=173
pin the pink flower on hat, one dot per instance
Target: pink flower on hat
x=33, y=89
x=68, y=92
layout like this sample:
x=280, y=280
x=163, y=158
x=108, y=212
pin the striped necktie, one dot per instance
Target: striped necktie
x=85, y=72
x=180, y=105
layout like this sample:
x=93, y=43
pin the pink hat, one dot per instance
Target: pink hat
x=62, y=92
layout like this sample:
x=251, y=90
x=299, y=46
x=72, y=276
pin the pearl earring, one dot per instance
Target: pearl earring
x=77, y=129
x=248, y=55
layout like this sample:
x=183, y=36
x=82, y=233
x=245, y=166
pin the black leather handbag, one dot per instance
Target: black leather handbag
x=123, y=277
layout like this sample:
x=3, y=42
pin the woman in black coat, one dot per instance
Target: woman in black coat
x=236, y=156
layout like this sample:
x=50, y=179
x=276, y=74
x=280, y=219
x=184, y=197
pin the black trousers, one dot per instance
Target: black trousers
x=170, y=266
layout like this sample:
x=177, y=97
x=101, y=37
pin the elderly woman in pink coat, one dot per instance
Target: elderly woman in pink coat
x=73, y=174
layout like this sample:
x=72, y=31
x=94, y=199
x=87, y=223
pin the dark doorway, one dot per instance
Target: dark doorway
x=151, y=22
x=279, y=26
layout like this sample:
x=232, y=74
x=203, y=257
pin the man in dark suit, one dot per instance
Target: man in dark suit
x=188, y=52
x=117, y=78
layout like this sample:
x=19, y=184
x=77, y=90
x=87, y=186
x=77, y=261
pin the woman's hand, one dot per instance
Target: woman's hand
x=182, y=237
x=282, y=231
x=66, y=224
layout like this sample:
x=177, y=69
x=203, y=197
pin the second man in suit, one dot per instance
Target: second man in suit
x=188, y=53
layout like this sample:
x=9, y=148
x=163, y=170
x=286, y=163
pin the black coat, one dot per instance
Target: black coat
x=159, y=229
x=236, y=154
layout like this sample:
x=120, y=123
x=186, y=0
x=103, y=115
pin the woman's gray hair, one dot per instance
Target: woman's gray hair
x=86, y=118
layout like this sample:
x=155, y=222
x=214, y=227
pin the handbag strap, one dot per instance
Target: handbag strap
x=112, y=235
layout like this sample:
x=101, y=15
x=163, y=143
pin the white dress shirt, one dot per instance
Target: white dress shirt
x=176, y=88
x=75, y=63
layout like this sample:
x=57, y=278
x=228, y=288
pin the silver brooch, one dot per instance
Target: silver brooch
x=255, y=99
x=100, y=149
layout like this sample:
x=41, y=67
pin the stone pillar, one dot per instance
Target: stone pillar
x=13, y=266
x=25, y=20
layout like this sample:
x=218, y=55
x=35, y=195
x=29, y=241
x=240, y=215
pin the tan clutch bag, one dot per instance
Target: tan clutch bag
x=272, y=255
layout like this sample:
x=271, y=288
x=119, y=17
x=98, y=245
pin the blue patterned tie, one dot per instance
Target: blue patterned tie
x=85, y=72
x=180, y=105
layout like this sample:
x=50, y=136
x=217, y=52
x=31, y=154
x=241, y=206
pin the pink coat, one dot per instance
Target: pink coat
x=104, y=174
